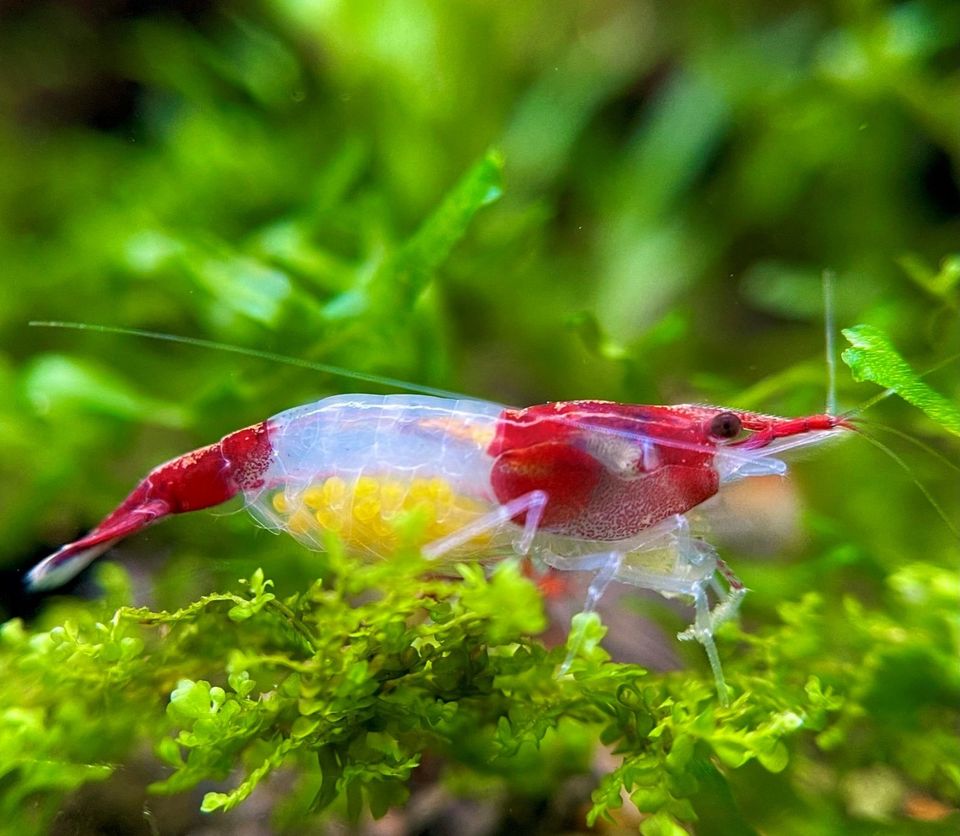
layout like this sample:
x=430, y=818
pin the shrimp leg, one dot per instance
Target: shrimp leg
x=702, y=631
x=728, y=601
x=531, y=504
x=692, y=575
x=607, y=565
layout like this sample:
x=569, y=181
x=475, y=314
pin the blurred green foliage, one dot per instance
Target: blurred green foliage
x=315, y=178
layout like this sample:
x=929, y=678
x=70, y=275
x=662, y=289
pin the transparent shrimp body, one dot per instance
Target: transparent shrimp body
x=359, y=466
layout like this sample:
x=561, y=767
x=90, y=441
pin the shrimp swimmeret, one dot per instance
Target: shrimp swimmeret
x=590, y=486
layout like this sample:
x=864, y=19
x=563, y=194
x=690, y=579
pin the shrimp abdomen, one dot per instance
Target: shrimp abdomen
x=361, y=466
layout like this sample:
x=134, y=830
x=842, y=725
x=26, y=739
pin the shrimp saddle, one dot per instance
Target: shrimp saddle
x=583, y=486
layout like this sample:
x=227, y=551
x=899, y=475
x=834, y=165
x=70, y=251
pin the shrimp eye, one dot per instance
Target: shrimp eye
x=725, y=425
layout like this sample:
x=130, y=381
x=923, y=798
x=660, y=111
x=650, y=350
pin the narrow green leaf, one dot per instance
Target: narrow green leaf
x=872, y=357
x=354, y=793
x=330, y=771
x=594, y=338
x=436, y=237
x=243, y=286
x=939, y=283
x=54, y=382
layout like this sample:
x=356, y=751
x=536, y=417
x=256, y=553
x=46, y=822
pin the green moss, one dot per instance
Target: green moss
x=350, y=683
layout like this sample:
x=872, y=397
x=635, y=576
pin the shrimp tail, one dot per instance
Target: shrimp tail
x=69, y=560
x=195, y=480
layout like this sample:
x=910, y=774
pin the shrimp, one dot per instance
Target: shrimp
x=592, y=486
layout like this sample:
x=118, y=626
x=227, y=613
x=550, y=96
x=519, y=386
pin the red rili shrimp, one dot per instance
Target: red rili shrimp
x=591, y=486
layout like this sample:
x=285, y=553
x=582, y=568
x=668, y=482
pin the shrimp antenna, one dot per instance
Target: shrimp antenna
x=922, y=488
x=831, y=348
x=916, y=442
x=324, y=368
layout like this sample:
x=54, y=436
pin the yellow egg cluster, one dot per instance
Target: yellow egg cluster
x=365, y=512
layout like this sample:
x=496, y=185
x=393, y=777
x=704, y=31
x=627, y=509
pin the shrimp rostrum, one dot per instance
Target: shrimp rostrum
x=590, y=486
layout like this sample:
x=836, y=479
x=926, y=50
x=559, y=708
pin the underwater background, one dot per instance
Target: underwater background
x=632, y=200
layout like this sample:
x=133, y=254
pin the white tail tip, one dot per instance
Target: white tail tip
x=63, y=565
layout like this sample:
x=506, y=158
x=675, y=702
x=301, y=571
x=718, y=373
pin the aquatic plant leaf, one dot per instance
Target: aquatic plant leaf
x=430, y=245
x=872, y=357
x=54, y=381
